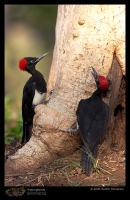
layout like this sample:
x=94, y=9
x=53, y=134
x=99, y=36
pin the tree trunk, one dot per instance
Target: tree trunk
x=86, y=35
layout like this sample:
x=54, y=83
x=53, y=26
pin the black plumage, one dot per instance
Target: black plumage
x=33, y=93
x=92, y=117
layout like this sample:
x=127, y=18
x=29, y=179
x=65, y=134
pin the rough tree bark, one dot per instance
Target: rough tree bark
x=86, y=35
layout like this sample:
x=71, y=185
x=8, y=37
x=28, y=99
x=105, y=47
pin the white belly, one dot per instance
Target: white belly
x=38, y=98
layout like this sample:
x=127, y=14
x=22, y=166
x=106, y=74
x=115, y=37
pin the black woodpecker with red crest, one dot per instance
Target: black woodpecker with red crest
x=92, y=118
x=34, y=93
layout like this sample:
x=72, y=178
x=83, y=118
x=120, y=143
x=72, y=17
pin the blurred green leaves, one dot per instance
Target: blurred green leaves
x=12, y=131
x=13, y=126
x=7, y=110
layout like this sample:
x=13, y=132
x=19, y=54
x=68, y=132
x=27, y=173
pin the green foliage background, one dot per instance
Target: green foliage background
x=29, y=31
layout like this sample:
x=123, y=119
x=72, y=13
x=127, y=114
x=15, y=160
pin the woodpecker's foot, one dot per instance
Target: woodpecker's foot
x=71, y=130
x=33, y=106
x=47, y=101
x=67, y=131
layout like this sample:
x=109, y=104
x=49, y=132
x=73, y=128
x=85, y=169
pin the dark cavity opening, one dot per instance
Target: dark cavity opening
x=117, y=109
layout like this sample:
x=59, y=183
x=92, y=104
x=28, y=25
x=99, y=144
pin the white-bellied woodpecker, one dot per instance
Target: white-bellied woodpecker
x=34, y=93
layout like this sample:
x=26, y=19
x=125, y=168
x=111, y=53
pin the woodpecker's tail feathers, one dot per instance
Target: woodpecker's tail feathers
x=88, y=159
x=86, y=163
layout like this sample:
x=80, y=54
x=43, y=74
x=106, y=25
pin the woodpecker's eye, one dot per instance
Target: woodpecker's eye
x=31, y=61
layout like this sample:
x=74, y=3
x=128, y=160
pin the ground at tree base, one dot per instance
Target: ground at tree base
x=109, y=171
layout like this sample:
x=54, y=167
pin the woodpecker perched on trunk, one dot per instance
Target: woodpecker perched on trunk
x=92, y=118
x=33, y=93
